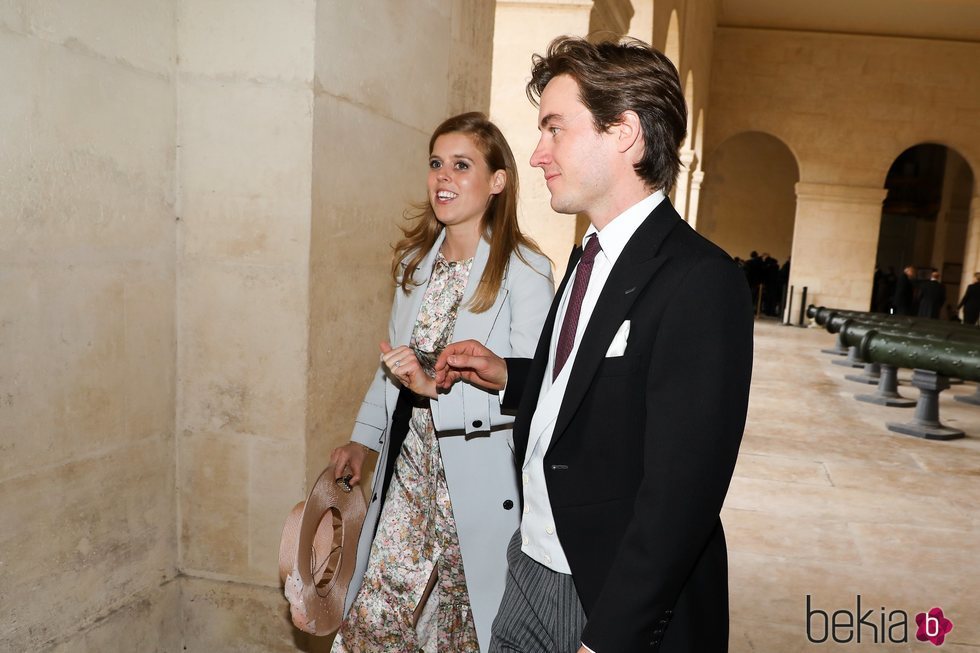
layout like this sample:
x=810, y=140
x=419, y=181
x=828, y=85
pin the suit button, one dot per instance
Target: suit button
x=477, y=423
x=668, y=612
x=508, y=504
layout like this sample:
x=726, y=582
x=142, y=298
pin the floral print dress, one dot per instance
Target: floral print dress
x=416, y=540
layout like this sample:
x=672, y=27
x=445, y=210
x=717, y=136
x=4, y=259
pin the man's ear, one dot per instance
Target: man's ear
x=629, y=133
x=499, y=181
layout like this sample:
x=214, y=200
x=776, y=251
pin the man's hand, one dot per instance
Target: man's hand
x=404, y=366
x=350, y=456
x=471, y=361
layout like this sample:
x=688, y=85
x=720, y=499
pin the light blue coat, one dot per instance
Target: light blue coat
x=479, y=462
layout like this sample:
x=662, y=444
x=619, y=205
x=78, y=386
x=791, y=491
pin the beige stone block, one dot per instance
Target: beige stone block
x=277, y=482
x=149, y=343
x=243, y=352
x=101, y=177
x=82, y=537
x=123, y=118
x=409, y=88
x=254, y=228
x=213, y=493
x=149, y=623
x=14, y=15
x=140, y=35
x=233, y=617
x=351, y=285
x=65, y=390
x=245, y=145
x=258, y=40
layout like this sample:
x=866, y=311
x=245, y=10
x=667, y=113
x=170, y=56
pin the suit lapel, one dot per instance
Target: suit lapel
x=539, y=363
x=634, y=269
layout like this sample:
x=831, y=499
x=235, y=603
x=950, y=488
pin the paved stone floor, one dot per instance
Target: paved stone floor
x=827, y=502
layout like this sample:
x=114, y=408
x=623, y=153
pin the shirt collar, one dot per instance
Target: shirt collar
x=617, y=233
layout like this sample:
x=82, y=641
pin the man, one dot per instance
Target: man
x=971, y=302
x=630, y=414
x=932, y=296
x=904, y=299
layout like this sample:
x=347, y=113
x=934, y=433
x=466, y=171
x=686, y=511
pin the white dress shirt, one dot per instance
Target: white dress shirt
x=539, y=538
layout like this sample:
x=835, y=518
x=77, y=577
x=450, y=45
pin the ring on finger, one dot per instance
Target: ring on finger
x=397, y=363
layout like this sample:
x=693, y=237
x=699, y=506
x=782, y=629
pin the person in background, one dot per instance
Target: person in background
x=971, y=302
x=932, y=296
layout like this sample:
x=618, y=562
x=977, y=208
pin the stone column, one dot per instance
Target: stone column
x=683, y=183
x=835, y=242
x=971, y=255
x=303, y=136
x=697, y=179
x=524, y=27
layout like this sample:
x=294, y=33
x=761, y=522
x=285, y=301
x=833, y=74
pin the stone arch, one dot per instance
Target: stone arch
x=928, y=220
x=748, y=201
x=699, y=136
x=672, y=46
x=641, y=24
x=689, y=101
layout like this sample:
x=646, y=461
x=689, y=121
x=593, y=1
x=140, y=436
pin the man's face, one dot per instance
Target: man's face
x=573, y=157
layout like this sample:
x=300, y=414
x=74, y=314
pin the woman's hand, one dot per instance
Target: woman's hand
x=349, y=457
x=404, y=366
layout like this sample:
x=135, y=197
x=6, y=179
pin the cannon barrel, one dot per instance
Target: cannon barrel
x=949, y=358
x=942, y=333
x=821, y=315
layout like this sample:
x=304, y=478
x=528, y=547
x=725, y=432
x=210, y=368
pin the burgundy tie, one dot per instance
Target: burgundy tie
x=568, y=327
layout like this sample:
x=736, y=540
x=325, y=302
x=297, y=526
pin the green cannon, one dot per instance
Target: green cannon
x=823, y=316
x=933, y=361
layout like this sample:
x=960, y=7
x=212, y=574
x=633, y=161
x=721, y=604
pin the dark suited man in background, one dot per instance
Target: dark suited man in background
x=630, y=414
x=904, y=299
x=971, y=301
x=932, y=296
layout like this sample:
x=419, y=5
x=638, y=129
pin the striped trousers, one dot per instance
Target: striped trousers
x=540, y=611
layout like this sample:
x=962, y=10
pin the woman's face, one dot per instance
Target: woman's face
x=460, y=182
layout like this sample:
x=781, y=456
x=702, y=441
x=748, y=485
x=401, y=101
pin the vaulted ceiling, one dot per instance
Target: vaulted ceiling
x=957, y=20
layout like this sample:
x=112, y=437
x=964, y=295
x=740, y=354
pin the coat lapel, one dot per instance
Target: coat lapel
x=478, y=325
x=405, y=320
x=633, y=270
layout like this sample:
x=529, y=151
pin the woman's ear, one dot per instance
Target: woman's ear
x=499, y=182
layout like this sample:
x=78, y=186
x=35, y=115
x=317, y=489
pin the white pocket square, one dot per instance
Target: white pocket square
x=618, y=345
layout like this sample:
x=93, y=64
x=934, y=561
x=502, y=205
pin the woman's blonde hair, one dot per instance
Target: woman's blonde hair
x=498, y=226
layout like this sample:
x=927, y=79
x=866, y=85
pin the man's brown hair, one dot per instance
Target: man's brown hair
x=614, y=77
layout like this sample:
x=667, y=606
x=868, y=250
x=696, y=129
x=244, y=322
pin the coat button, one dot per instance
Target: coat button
x=508, y=504
x=477, y=423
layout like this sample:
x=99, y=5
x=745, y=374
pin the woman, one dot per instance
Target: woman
x=431, y=568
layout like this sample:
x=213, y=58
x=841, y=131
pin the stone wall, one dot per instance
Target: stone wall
x=846, y=106
x=87, y=338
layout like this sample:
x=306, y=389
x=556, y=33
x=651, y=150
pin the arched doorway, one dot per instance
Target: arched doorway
x=748, y=205
x=924, y=223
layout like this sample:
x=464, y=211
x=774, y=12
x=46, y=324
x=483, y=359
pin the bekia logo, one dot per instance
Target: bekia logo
x=879, y=627
x=933, y=626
